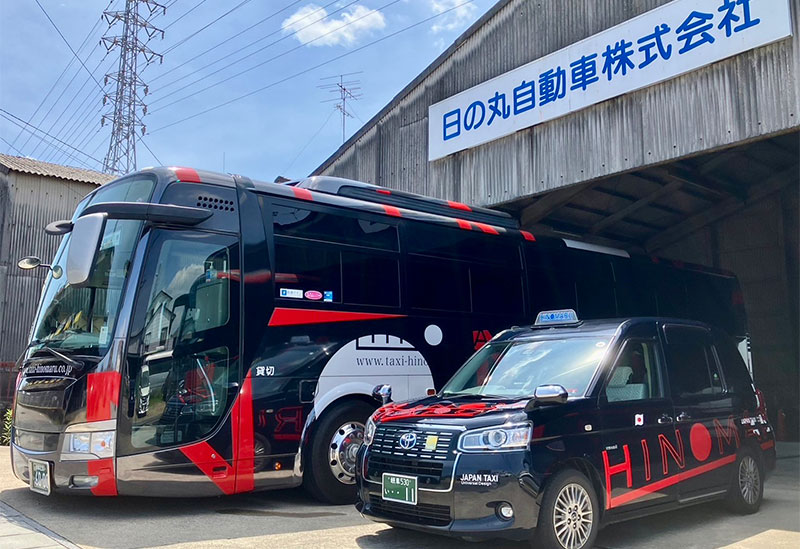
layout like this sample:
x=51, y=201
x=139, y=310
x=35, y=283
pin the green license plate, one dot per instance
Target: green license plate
x=399, y=488
x=39, y=473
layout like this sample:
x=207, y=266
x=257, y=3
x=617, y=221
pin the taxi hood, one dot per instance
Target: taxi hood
x=452, y=410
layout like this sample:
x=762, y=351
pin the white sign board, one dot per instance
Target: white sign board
x=674, y=39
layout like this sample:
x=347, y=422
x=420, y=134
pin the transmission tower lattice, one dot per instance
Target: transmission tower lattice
x=347, y=90
x=126, y=102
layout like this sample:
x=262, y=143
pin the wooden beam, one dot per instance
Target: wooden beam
x=630, y=208
x=550, y=202
x=723, y=209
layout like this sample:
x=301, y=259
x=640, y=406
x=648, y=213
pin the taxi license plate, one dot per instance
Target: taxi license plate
x=399, y=488
x=39, y=473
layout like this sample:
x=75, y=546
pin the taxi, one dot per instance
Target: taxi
x=550, y=432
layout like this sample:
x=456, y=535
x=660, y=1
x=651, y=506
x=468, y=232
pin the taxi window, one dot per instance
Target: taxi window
x=636, y=374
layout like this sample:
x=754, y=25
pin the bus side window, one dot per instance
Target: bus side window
x=496, y=290
x=302, y=267
x=438, y=284
x=370, y=279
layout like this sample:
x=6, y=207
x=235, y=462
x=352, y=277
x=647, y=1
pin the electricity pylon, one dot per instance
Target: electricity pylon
x=126, y=101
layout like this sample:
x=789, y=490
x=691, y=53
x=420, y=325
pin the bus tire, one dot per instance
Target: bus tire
x=747, y=485
x=570, y=514
x=330, y=470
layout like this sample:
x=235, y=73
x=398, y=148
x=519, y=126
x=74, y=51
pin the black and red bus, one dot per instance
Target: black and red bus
x=206, y=334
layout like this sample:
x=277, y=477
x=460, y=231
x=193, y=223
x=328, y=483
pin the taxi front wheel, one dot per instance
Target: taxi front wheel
x=568, y=517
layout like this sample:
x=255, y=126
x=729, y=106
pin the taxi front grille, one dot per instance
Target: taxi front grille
x=429, y=444
x=422, y=513
x=428, y=473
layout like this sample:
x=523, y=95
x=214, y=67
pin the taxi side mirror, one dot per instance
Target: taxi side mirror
x=545, y=395
x=383, y=394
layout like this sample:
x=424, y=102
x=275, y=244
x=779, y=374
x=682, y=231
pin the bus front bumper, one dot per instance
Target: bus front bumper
x=88, y=477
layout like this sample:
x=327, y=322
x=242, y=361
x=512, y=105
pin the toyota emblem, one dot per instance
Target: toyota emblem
x=408, y=441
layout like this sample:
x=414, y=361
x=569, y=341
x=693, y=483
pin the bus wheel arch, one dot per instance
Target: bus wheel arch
x=329, y=463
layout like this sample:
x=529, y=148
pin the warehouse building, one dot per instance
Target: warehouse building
x=665, y=128
x=32, y=194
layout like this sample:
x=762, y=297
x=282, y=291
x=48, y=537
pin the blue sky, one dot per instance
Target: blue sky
x=266, y=134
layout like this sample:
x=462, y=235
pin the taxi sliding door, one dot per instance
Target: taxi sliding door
x=637, y=419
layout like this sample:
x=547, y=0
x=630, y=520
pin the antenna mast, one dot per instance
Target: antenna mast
x=126, y=102
x=347, y=90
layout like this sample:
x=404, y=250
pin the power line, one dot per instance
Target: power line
x=12, y=146
x=185, y=14
x=141, y=140
x=274, y=57
x=237, y=35
x=183, y=41
x=315, y=67
x=60, y=76
x=229, y=65
x=22, y=124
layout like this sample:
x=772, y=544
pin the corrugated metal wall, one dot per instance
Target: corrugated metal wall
x=753, y=94
x=27, y=204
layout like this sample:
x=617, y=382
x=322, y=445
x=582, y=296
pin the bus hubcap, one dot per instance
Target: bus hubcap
x=749, y=480
x=572, y=516
x=343, y=449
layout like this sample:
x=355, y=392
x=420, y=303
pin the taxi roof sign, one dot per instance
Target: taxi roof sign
x=561, y=316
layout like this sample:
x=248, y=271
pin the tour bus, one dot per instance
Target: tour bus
x=204, y=334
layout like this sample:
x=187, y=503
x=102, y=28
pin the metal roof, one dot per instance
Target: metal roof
x=37, y=167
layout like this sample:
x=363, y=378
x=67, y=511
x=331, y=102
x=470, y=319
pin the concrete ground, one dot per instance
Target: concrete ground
x=289, y=519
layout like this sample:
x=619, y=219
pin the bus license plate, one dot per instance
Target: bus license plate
x=39, y=476
x=399, y=488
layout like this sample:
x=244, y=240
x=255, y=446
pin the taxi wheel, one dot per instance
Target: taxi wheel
x=569, y=515
x=330, y=470
x=747, y=485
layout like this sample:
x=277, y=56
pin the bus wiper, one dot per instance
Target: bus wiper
x=70, y=361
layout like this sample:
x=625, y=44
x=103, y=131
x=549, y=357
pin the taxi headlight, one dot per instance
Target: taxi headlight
x=505, y=437
x=369, y=431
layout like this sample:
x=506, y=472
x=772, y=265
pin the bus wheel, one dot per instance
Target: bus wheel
x=569, y=515
x=330, y=471
x=747, y=486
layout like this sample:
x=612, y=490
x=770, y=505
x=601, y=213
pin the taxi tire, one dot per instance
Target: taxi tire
x=544, y=536
x=318, y=479
x=735, y=500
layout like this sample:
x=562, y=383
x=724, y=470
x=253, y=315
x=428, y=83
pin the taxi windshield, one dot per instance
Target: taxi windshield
x=514, y=369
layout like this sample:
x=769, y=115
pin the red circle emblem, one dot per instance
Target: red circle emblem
x=700, y=441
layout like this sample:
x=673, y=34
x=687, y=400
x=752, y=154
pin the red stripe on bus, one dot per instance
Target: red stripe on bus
x=767, y=445
x=488, y=229
x=103, y=469
x=302, y=194
x=243, y=438
x=528, y=236
x=669, y=481
x=102, y=390
x=459, y=206
x=209, y=461
x=188, y=175
x=464, y=224
x=293, y=317
x=391, y=210
x=383, y=191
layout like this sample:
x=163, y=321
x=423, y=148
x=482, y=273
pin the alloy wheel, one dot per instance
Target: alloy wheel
x=573, y=516
x=749, y=480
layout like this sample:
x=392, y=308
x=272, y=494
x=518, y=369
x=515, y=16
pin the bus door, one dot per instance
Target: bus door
x=183, y=376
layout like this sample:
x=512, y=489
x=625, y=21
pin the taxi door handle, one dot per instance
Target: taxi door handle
x=665, y=419
x=683, y=416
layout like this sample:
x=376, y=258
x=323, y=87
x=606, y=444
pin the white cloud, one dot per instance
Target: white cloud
x=455, y=19
x=312, y=23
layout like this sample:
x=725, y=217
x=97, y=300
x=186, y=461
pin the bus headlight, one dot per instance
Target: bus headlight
x=98, y=444
x=502, y=438
x=369, y=431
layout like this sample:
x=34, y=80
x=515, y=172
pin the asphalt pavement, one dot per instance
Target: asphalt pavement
x=290, y=519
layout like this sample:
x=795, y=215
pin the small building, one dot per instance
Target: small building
x=32, y=194
x=670, y=128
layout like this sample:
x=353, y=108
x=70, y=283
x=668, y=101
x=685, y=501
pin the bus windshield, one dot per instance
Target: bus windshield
x=81, y=320
x=515, y=369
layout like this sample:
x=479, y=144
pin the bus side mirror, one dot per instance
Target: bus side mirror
x=383, y=394
x=545, y=395
x=83, y=248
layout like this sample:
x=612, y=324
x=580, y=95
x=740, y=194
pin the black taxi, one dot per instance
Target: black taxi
x=551, y=431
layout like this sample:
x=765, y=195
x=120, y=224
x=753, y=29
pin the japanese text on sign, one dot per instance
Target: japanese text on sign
x=673, y=39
